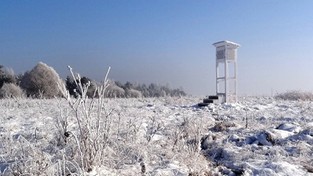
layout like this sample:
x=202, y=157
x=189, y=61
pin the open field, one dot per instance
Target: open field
x=161, y=136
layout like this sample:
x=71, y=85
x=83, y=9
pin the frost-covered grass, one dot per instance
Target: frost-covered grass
x=295, y=95
x=165, y=136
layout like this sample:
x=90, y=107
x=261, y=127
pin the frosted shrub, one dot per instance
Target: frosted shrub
x=295, y=95
x=10, y=90
x=41, y=81
x=133, y=93
x=6, y=75
x=93, y=122
x=114, y=91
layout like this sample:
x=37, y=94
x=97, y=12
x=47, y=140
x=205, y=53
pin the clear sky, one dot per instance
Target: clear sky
x=163, y=41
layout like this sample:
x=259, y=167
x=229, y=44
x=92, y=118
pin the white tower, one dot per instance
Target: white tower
x=226, y=71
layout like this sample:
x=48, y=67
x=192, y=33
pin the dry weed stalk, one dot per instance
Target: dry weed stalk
x=94, y=123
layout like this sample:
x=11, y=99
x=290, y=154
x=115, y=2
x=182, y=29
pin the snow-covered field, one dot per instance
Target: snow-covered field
x=164, y=136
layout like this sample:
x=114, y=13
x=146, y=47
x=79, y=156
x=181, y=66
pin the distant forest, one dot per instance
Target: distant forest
x=42, y=82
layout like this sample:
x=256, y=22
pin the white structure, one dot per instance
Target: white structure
x=226, y=71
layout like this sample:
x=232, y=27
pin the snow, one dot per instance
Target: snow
x=164, y=136
x=273, y=168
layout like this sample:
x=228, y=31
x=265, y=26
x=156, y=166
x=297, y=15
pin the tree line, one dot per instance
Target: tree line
x=42, y=82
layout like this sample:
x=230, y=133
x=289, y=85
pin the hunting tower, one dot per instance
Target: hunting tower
x=226, y=71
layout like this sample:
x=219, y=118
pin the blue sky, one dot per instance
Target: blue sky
x=166, y=42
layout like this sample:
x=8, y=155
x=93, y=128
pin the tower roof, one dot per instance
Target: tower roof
x=226, y=43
